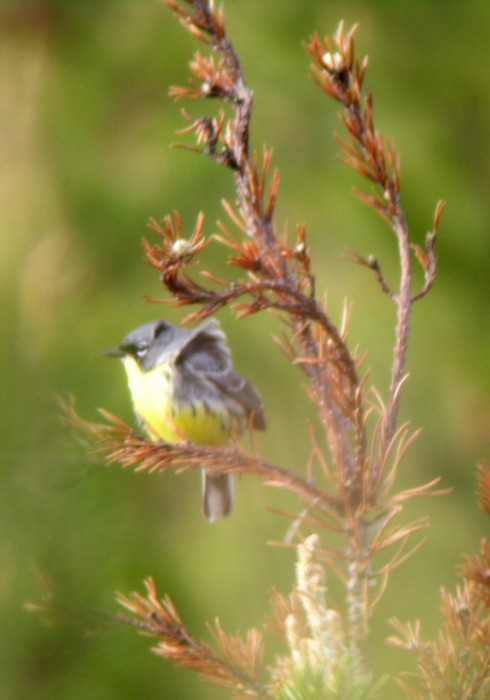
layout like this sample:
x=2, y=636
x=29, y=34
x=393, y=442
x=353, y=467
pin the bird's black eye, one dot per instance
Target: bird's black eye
x=141, y=350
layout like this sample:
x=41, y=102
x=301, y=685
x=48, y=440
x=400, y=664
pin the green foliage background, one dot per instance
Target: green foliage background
x=85, y=128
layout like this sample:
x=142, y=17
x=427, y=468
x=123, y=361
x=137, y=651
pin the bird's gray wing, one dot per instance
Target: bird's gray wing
x=206, y=354
x=205, y=349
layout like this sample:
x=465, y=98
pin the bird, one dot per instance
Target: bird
x=183, y=387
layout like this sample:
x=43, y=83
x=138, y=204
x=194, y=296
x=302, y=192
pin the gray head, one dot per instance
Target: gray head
x=152, y=343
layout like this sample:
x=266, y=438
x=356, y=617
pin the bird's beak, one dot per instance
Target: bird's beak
x=113, y=352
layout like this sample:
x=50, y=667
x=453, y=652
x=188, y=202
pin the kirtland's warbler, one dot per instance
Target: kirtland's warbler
x=183, y=387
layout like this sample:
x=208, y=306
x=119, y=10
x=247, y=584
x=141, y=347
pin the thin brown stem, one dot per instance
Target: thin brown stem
x=404, y=305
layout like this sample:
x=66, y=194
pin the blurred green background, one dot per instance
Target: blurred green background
x=85, y=131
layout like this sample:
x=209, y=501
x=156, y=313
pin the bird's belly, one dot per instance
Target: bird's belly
x=151, y=393
x=165, y=418
x=199, y=425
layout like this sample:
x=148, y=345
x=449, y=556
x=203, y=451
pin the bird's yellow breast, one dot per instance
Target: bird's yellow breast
x=164, y=417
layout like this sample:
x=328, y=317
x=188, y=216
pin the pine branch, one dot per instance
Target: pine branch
x=234, y=666
x=276, y=274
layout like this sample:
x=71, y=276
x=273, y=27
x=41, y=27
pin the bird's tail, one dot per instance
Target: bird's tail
x=217, y=495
